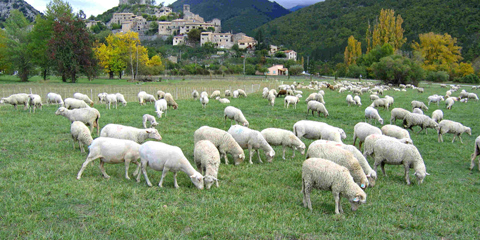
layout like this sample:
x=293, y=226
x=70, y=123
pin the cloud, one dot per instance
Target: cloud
x=292, y=3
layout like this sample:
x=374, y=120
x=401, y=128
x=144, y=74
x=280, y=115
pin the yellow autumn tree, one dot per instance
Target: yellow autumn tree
x=353, y=51
x=388, y=29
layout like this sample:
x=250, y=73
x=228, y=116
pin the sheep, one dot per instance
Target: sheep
x=207, y=159
x=372, y=113
x=223, y=140
x=121, y=99
x=222, y=100
x=318, y=130
x=203, y=94
x=415, y=119
x=437, y=115
x=141, y=97
x=112, y=150
x=215, y=94
x=464, y=100
x=285, y=138
x=398, y=113
x=265, y=93
x=473, y=96
x=54, y=98
x=282, y=93
x=160, y=94
x=312, y=96
x=395, y=131
x=456, y=128
x=72, y=103
x=435, y=99
x=463, y=94
x=448, y=93
x=161, y=107
x=253, y=140
x=130, y=133
x=290, y=100
x=374, y=97
x=81, y=134
x=362, y=130
x=163, y=157
x=390, y=100
x=83, y=97
x=476, y=152
x=317, y=107
x=418, y=104
x=420, y=90
x=204, y=101
x=101, y=97
x=391, y=151
x=236, y=114
x=170, y=101
x=371, y=139
x=271, y=98
x=109, y=99
x=324, y=174
x=228, y=93
x=417, y=110
x=89, y=116
x=34, y=101
x=235, y=94
x=151, y=119
x=350, y=100
x=381, y=102
x=195, y=95
x=449, y=103
x=16, y=99
x=149, y=98
x=241, y=93
x=273, y=91
x=358, y=100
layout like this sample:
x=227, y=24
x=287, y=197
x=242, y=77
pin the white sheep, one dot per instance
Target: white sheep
x=161, y=107
x=121, y=99
x=235, y=94
x=215, y=94
x=16, y=99
x=395, y=131
x=350, y=100
x=358, y=100
x=111, y=99
x=271, y=98
x=160, y=94
x=81, y=134
x=235, y=114
x=374, y=97
x=393, y=152
x=370, y=143
x=362, y=130
x=418, y=104
x=265, y=92
x=207, y=159
x=112, y=150
x=476, y=152
x=223, y=140
x=381, y=102
x=204, y=101
x=203, y=94
x=285, y=138
x=290, y=100
x=318, y=130
x=437, y=115
x=170, y=101
x=195, y=95
x=149, y=98
x=316, y=106
x=151, y=119
x=101, y=97
x=130, y=133
x=435, y=99
x=89, y=116
x=72, y=103
x=241, y=92
x=456, y=128
x=326, y=175
x=398, y=113
x=473, y=96
x=449, y=103
x=312, y=96
x=34, y=101
x=54, y=98
x=252, y=140
x=417, y=110
x=415, y=119
x=223, y=100
x=163, y=157
x=372, y=113
x=83, y=97
x=141, y=97
x=228, y=93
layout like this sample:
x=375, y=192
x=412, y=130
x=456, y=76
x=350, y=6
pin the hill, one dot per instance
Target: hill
x=6, y=6
x=236, y=15
x=321, y=30
x=298, y=7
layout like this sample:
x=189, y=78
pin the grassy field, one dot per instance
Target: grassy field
x=42, y=199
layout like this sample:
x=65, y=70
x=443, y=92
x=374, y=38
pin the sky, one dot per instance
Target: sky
x=96, y=7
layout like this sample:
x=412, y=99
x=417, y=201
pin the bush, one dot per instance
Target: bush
x=295, y=70
x=471, y=78
x=354, y=71
x=397, y=69
x=440, y=76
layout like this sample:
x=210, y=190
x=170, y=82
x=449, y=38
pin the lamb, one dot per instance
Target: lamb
x=112, y=150
x=415, y=119
x=170, y=101
x=358, y=100
x=398, y=113
x=101, y=97
x=417, y=110
x=290, y=100
x=215, y=94
x=224, y=142
x=109, y=99
x=163, y=157
x=391, y=151
x=323, y=174
x=16, y=99
x=34, y=101
x=130, y=133
x=318, y=130
x=317, y=107
x=81, y=134
x=121, y=99
x=223, y=100
x=271, y=98
x=89, y=116
x=435, y=99
x=241, y=93
x=160, y=94
x=372, y=113
x=207, y=159
x=363, y=130
x=350, y=100
x=195, y=95
x=161, y=107
x=418, y=104
x=476, y=152
x=285, y=138
x=456, y=128
x=151, y=119
x=235, y=94
x=473, y=96
x=390, y=100
x=228, y=93
x=204, y=101
x=437, y=115
x=141, y=97
x=253, y=140
x=265, y=92
x=72, y=103
x=236, y=114
x=149, y=98
x=54, y=98
x=83, y=97
x=395, y=131
x=449, y=103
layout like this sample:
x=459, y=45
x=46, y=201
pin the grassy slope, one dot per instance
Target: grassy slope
x=42, y=199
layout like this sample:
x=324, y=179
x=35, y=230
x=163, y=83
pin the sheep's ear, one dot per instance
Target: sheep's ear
x=148, y=131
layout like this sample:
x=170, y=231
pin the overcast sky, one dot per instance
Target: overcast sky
x=95, y=7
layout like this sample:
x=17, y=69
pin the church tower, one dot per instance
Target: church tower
x=186, y=8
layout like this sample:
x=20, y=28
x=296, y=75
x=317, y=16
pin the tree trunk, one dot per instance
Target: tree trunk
x=44, y=74
x=64, y=77
x=120, y=74
x=73, y=77
x=110, y=75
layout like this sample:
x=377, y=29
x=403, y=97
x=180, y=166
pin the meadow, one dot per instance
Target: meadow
x=42, y=199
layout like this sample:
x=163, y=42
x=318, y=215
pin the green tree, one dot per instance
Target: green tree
x=41, y=34
x=397, y=69
x=194, y=35
x=261, y=45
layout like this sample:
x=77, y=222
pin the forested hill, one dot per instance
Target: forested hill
x=7, y=5
x=236, y=15
x=321, y=30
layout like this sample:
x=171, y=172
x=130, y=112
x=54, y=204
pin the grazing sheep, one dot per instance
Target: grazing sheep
x=393, y=152
x=417, y=110
x=83, y=97
x=463, y=94
x=151, y=119
x=362, y=130
x=370, y=143
x=449, y=103
x=265, y=92
x=415, y=119
x=72, y=103
x=16, y=99
x=170, y=102
x=418, y=104
x=204, y=101
x=34, y=101
x=101, y=97
x=109, y=99
x=161, y=107
x=273, y=91
x=473, y=96
x=476, y=152
x=290, y=100
x=222, y=100
x=141, y=97
x=285, y=138
x=235, y=94
x=374, y=97
x=241, y=93
x=464, y=100
x=121, y=99
x=398, y=113
x=160, y=94
x=318, y=130
x=326, y=175
x=282, y=93
x=89, y=116
x=112, y=150
x=372, y=113
x=420, y=90
x=130, y=133
x=448, y=93
x=456, y=128
x=228, y=93
x=207, y=159
x=350, y=100
x=163, y=157
x=215, y=94
x=195, y=95
x=319, y=98
x=253, y=140
x=358, y=100
x=271, y=98
x=312, y=96
x=203, y=94
x=223, y=140
x=81, y=134
x=149, y=98
x=317, y=107
x=54, y=98
x=437, y=115
x=236, y=114
x=395, y=131
x=381, y=102
x=435, y=99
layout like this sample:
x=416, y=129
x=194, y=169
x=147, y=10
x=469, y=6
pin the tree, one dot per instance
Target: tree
x=397, y=69
x=194, y=35
x=261, y=40
x=387, y=30
x=57, y=9
x=352, y=51
x=41, y=34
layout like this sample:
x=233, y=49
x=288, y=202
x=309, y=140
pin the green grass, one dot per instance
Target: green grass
x=42, y=199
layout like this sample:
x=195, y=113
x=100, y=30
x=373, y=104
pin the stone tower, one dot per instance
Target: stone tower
x=186, y=8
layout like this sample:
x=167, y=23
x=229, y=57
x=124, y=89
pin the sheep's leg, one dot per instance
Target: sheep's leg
x=226, y=158
x=283, y=156
x=407, y=178
x=175, y=184
x=382, y=165
x=454, y=136
x=127, y=166
x=216, y=181
x=306, y=196
x=440, y=138
x=102, y=168
x=164, y=173
x=337, y=202
x=84, y=165
x=420, y=130
x=360, y=144
x=137, y=171
x=250, y=153
x=293, y=149
x=472, y=161
x=81, y=146
x=74, y=144
x=258, y=152
x=143, y=164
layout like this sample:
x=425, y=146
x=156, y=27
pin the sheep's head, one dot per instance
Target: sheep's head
x=245, y=124
x=159, y=113
x=153, y=133
x=420, y=176
x=359, y=199
x=380, y=120
x=60, y=111
x=197, y=180
x=175, y=106
x=154, y=124
x=209, y=181
x=468, y=131
x=371, y=177
x=270, y=155
x=239, y=159
x=91, y=104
